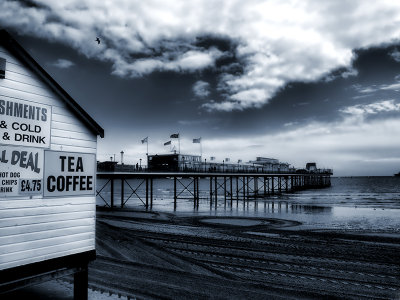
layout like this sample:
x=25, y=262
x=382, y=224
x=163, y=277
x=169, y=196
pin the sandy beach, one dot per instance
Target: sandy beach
x=150, y=255
x=168, y=256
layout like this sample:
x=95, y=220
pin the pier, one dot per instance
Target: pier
x=223, y=186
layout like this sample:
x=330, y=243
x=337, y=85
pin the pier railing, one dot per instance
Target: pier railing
x=228, y=186
x=206, y=168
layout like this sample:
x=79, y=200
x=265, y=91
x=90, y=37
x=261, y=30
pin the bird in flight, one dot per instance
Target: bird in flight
x=97, y=40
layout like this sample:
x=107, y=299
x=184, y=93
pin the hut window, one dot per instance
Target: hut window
x=2, y=68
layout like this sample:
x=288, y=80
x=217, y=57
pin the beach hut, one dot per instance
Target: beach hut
x=48, y=149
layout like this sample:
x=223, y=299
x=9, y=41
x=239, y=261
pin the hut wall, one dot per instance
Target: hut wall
x=36, y=228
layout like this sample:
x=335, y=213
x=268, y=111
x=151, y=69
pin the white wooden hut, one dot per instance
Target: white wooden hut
x=48, y=149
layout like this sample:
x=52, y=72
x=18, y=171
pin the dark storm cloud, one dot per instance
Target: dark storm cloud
x=327, y=70
x=258, y=46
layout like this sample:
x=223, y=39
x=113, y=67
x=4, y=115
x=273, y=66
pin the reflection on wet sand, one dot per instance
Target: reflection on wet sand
x=277, y=206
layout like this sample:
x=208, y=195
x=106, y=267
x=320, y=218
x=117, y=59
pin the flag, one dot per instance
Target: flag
x=212, y=157
x=145, y=140
x=197, y=141
x=174, y=136
x=167, y=143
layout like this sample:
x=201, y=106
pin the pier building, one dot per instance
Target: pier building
x=174, y=162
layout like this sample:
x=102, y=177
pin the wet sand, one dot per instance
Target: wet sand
x=167, y=256
x=149, y=255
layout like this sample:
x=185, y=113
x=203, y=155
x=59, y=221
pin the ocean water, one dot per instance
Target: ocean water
x=361, y=204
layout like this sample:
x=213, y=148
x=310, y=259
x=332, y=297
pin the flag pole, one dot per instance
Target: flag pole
x=179, y=143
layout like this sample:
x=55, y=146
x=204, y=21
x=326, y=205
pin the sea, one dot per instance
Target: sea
x=355, y=204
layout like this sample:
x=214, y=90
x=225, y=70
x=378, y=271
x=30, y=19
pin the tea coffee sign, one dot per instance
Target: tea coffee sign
x=69, y=174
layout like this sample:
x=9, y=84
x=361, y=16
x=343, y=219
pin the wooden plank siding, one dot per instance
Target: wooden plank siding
x=35, y=229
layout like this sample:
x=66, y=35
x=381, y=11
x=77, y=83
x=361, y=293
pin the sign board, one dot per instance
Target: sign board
x=24, y=123
x=69, y=174
x=21, y=171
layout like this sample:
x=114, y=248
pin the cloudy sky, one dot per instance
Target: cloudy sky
x=295, y=80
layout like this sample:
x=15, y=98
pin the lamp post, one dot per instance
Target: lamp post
x=140, y=160
x=223, y=165
x=205, y=165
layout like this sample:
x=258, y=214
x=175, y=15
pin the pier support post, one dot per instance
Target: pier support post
x=151, y=193
x=286, y=184
x=112, y=193
x=175, y=197
x=216, y=191
x=198, y=192
x=272, y=185
x=255, y=186
x=147, y=193
x=244, y=188
x=291, y=184
x=265, y=185
x=211, y=193
x=248, y=188
x=237, y=190
x=280, y=184
x=194, y=192
x=224, y=191
x=122, y=192
x=230, y=181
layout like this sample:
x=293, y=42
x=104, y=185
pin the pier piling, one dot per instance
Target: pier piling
x=264, y=185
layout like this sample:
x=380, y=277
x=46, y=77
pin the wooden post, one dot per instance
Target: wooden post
x=112, y=193
x=81, y=280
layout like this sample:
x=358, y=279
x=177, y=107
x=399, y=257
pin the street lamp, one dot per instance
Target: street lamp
x=223, y=165
x=205, y=165
x=140, y=165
